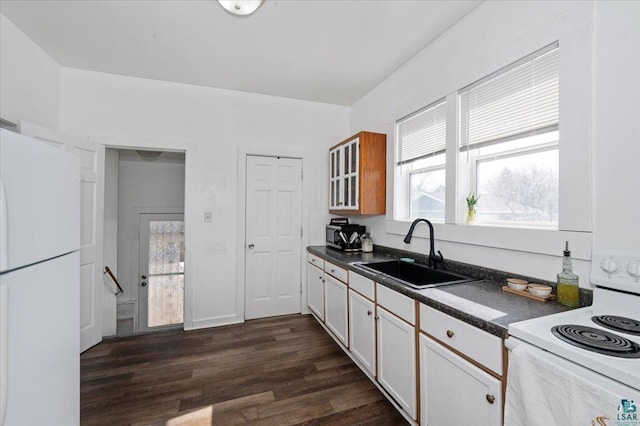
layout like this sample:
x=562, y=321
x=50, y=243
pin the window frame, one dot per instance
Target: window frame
x=402, y=173
x=426, y=169
x=575, y=154
x=516, y=152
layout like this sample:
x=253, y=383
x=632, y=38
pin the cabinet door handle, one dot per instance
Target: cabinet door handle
x=377, y=318
x=320, y=278
x=490, y=398
x=333, y=271
x=450, y=333
x=369, y=313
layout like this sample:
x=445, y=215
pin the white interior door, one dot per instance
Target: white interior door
x=91, y=159
x=161, y=271
x=273, y=236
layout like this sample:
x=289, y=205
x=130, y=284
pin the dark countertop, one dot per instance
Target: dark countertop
x=479, y=303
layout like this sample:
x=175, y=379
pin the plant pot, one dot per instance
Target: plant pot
x=471, y=215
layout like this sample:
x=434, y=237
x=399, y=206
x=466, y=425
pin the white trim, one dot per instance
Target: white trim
x=214, y=322
x=243, y=152
x=529, y=240
x=188, y=147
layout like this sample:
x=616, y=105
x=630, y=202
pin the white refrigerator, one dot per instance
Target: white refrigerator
x=39, y=283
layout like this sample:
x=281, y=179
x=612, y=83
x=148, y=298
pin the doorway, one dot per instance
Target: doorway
x=144, y=184
x=273, y=236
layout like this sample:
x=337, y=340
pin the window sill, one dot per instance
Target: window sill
x=530, y=240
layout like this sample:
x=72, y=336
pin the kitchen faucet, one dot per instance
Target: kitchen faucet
x=433, y=257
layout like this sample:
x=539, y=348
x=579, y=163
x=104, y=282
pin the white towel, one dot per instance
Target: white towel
x=541, y=392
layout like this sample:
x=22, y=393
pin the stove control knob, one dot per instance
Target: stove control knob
x=633, y=268
x=610, y=266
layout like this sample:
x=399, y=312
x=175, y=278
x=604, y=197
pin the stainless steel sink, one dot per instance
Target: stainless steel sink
x=415, y=275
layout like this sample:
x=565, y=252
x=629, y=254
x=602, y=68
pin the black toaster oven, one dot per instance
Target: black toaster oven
x=344, y=236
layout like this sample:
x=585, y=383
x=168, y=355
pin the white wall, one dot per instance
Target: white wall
x=213, y=126
x=616, y=125
x=143, y=186
x=493, y=35
x=29, y=79
x=110, y=240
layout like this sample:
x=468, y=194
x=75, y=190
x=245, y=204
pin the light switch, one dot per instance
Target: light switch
x=207, y=216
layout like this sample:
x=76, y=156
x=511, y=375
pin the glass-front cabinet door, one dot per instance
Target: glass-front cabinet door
x=350, y=174
x=343, y=176
x=335, y=178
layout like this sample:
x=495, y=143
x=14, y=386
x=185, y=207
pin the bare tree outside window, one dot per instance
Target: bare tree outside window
x=523, y=189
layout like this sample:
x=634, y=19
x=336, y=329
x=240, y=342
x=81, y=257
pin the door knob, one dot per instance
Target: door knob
x=143, y=283
x=144, y=277
x=251, y=245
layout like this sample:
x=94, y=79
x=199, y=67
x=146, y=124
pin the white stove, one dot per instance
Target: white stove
x=616, y=277
x=538, y=332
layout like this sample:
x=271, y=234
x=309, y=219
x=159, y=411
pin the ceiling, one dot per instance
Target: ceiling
x=319, y=50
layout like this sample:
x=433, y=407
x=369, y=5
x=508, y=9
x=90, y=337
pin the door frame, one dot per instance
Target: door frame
x=188, y=148
x=243, y=153
x=138, y=212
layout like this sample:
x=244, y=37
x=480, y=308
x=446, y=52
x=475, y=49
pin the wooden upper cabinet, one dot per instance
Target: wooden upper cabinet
x=358, y=175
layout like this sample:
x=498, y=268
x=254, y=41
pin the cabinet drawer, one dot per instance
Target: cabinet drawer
x=397, y=303
x=336, y=271
x=478, y=345
x=315, y=260
x=362, y=285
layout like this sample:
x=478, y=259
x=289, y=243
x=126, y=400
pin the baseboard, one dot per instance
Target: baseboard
x=214, y=322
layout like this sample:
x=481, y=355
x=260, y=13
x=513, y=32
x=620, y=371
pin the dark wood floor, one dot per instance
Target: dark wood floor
x=275, y=371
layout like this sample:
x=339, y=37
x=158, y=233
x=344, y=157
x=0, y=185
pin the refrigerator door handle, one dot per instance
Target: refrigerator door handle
x=4, y=228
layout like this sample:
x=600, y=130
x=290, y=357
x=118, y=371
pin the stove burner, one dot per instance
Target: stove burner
x=622, y=324
x=596, y=340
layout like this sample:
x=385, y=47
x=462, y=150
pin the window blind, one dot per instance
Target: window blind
x=422, y=133
x=519, y=100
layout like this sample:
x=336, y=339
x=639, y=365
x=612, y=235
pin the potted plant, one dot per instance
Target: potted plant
x=472, y=200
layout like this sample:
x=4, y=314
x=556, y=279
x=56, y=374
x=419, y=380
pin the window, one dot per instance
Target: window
x=420, y=168
x=509, y=133
x=508, y=141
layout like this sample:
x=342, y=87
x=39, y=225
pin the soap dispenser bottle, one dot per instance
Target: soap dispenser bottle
x=568, y=289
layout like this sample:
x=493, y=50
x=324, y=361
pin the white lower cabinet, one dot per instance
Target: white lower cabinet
x=455, y=392
x=315, y=290
x=362, y=331
x=397, y=359
x=379, y=329
x=336, y=311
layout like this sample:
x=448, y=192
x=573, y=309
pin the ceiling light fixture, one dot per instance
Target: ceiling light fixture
x=148, y=155
x=241, y=7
